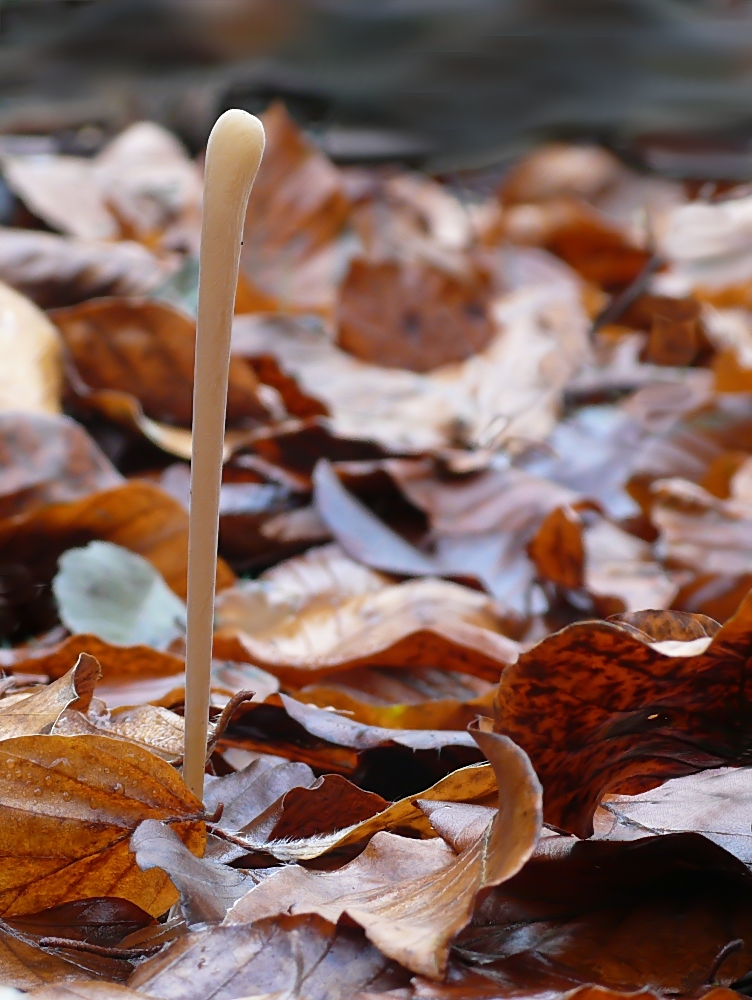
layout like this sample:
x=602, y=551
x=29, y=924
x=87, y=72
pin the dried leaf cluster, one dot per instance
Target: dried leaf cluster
x=481, y=721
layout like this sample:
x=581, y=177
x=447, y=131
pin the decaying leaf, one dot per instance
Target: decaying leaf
x=329, y=741
x=48, y=459
x=136, y=515
x=420, y=623
x=474, y=784
x=413, y=315
x=144, y=349
x=541, y=342
x=142, y=182
x=412, y=915
x=97, y=790
x=285, y=956
x=714, y=803
x=659, y=914
x=54, y=271
x=207, y=889
x=623, y=705
x=30, y=356
x=297, y=209
x=38, y=712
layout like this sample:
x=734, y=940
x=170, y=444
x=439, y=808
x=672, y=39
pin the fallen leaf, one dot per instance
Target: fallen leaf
x=207, y=889
x=557, y=169
x=145, y=349
x=475, y=783
x=54, y=271
x=108, y=591
x=713, y=803
x=413, y=315
x=39, y=711
x=412, y=915
x=136, y=515
x=48, y=459
x=418, y=698
x=541, y=342
x=152, y=727
x=619, y=572
x=97, y=790
x=296, y=211
x=133, y=675
x=297, y=957
x=420, y=623
x=142, y=181
x=104, y=921
x=30, y=356
x=700, y=531
x=364, y=537
x=26, y=966
x=333, y=742
x=656, y=914
x=600, y=707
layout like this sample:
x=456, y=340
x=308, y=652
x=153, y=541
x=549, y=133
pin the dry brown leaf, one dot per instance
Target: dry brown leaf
x=541, y=342
x=136, y=515
x=38, y=712
x=294, y=957
x=332, y=742
x=142, y=184
x=152, y=727
x=296, y=211
x=30, y=356
x=145, y=349
x=420, y=623
x=591, y=554
x=25, y=966
x=207, y=889
x=557, y=169
x=700, y=531
x=413, y=315
x=473, y=784
x=47, y=459
x=418, y=698
x=713, y=803
x=95, y=791
x=135, y=675
x=621, y=706
x=657, y=914
x=410, y=915
x=100, y=921
x=54, y=271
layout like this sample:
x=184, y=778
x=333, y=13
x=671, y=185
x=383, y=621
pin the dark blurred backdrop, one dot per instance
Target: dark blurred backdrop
x=445, y=83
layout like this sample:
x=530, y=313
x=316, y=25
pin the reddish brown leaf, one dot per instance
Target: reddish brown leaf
x=414, y=316
x=654, y=914
x=297, y=209
x=601, y=708
x=412, y=897
x=145, y=349
x=137, y=515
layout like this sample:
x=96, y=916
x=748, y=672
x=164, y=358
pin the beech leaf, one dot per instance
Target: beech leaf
x=113, y=593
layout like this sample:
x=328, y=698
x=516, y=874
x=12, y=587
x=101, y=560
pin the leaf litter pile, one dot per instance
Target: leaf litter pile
x=480, y=713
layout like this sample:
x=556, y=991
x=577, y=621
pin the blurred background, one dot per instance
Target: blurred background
x=442, y=84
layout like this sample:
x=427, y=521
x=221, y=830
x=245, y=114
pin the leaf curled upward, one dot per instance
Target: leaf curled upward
x=622, y=705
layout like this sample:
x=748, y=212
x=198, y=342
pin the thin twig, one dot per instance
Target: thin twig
x=99, y=949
